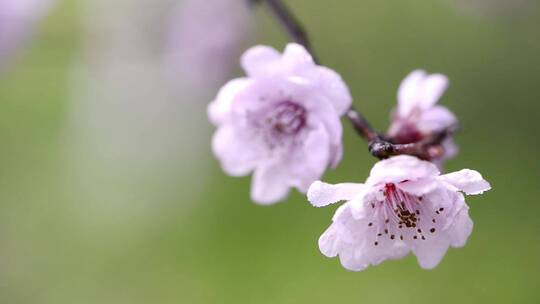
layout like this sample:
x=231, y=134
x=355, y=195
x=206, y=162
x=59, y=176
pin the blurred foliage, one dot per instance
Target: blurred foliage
x=225, y=249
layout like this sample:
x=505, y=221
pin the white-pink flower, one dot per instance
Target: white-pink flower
x=404, y=206
x=417, y=113
x=281, y=122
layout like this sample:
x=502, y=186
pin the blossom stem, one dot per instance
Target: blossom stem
x=291, y=24
x=361, y=125
x=427, y=149
x=379, y=146
x=300, y=36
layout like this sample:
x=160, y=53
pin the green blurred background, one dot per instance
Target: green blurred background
x=193, y=236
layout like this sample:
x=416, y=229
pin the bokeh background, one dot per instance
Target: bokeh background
x=109, y=192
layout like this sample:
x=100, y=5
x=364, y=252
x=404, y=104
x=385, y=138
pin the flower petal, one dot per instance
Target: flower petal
x=237, y=156
x=322, y=194
x=432, y=89
x=418, y=187
x=461, y=228
x=352, y=258
x=322, y=110
x=258, y=59
x=435, y=119
x=329, y=243
x=266, y=92
x=408, y=92
x=401, y=168
x=342, y=237
x=450, y=148
x=420, y=91
x=220, y=108
x=336, y=153
x=270, y=184
x=330, y=84
x=312, y=159
x=296, y=55
x=468, y=181
x=429, y=253
x=357, y=205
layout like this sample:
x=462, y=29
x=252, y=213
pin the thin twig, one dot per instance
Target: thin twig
x=428, y=148
x=361, y=125
x=299, y=35
x=380, y=147
x=291, y=24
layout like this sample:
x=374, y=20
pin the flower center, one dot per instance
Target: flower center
x=407, y=134
x=402, y=216
x=280, y=124
x=287, y=118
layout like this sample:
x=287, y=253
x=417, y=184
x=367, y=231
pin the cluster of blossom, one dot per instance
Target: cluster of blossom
x=282, y=123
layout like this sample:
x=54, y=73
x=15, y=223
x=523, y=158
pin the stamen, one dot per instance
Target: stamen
x=400, y=210
x=289, y=117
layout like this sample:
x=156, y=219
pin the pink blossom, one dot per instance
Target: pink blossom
x=417, y=113
x=17, y=19
x=404, y=206
x=281, y=122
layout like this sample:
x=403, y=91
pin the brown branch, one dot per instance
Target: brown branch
x=361, y=125
x=291, y=24
x=380, y=147
x=299, y=35
x=428, y=148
